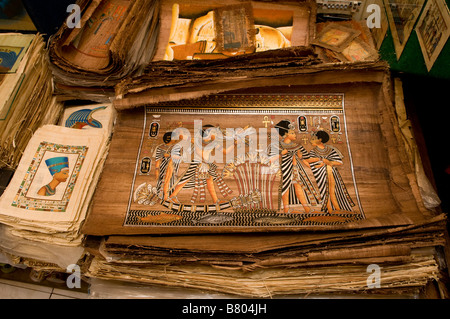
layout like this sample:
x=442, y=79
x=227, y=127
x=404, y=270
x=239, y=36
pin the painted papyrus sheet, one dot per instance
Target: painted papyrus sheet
x=51, y=177
x=212, y=30
x=433, y=30
x=402, y=16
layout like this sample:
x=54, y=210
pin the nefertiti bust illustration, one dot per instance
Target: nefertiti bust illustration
x=59, y=169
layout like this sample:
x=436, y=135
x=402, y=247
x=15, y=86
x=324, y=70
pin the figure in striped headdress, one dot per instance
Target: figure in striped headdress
x=324, y=161
x=59, y=169
x=81, y=118
x=202, y=175
x=296, y=186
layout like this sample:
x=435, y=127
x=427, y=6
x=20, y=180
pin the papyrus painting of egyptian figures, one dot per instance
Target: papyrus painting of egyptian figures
x=255, y=166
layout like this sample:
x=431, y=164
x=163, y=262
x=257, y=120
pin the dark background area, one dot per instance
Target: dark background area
x=47, y=15
x=428, y=105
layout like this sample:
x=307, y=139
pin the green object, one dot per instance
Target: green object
x=412, y=61
x=7, y=268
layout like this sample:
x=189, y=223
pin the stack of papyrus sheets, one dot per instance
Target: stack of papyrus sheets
x=253, y=252
x=115, y=38
x=49, y=194
x=27, y=100
x=346, y=208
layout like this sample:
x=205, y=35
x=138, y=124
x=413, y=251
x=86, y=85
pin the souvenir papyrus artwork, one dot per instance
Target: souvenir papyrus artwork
x=358, y=50
x=335, y=37
x=362, y=206
x=115, y=39
x=283, y=161
x=196, y=30
x=267, y=168
x=26, y=89
x=433, y=30
x=48, y=196
x=344, y=41
x=402, y=16
x=13, y=48
x=50, y=157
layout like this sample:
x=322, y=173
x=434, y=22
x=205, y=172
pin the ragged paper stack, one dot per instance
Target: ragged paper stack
x=203, y=47
x=389, y=242
x=49, y=194
x=278, y=53
x=255, y=154
x=347, y=211
x=115, y=39
x=26, y=89
x=399, y=262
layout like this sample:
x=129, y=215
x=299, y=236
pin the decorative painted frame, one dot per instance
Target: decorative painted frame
x=30, y=202
x=402, y=31
x=433, y=30
x=343, y=37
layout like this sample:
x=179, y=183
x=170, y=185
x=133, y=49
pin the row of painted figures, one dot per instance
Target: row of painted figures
x=296, y=189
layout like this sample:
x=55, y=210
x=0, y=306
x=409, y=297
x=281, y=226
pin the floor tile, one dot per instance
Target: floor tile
x=8, y=291
x=70, y=293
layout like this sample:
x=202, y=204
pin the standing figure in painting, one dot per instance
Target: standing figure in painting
x=202, y=171
x=296, y=186
x=59, y=169
x=167, y=162
x=324, y=160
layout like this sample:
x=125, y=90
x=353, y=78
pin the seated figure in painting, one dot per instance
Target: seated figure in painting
x=324, y=160
x=59, y=169
x=296, y=186
x=202, y=171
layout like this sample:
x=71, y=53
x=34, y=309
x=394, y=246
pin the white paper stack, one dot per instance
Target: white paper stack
x=49, y=194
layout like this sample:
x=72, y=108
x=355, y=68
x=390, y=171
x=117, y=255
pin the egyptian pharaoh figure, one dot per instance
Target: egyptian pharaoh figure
x=202, y=171
x=296, y=186
x=90, y=49
x=324, y=161
x=59, y=169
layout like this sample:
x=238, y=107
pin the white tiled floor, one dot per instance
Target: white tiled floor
x=18, y=290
